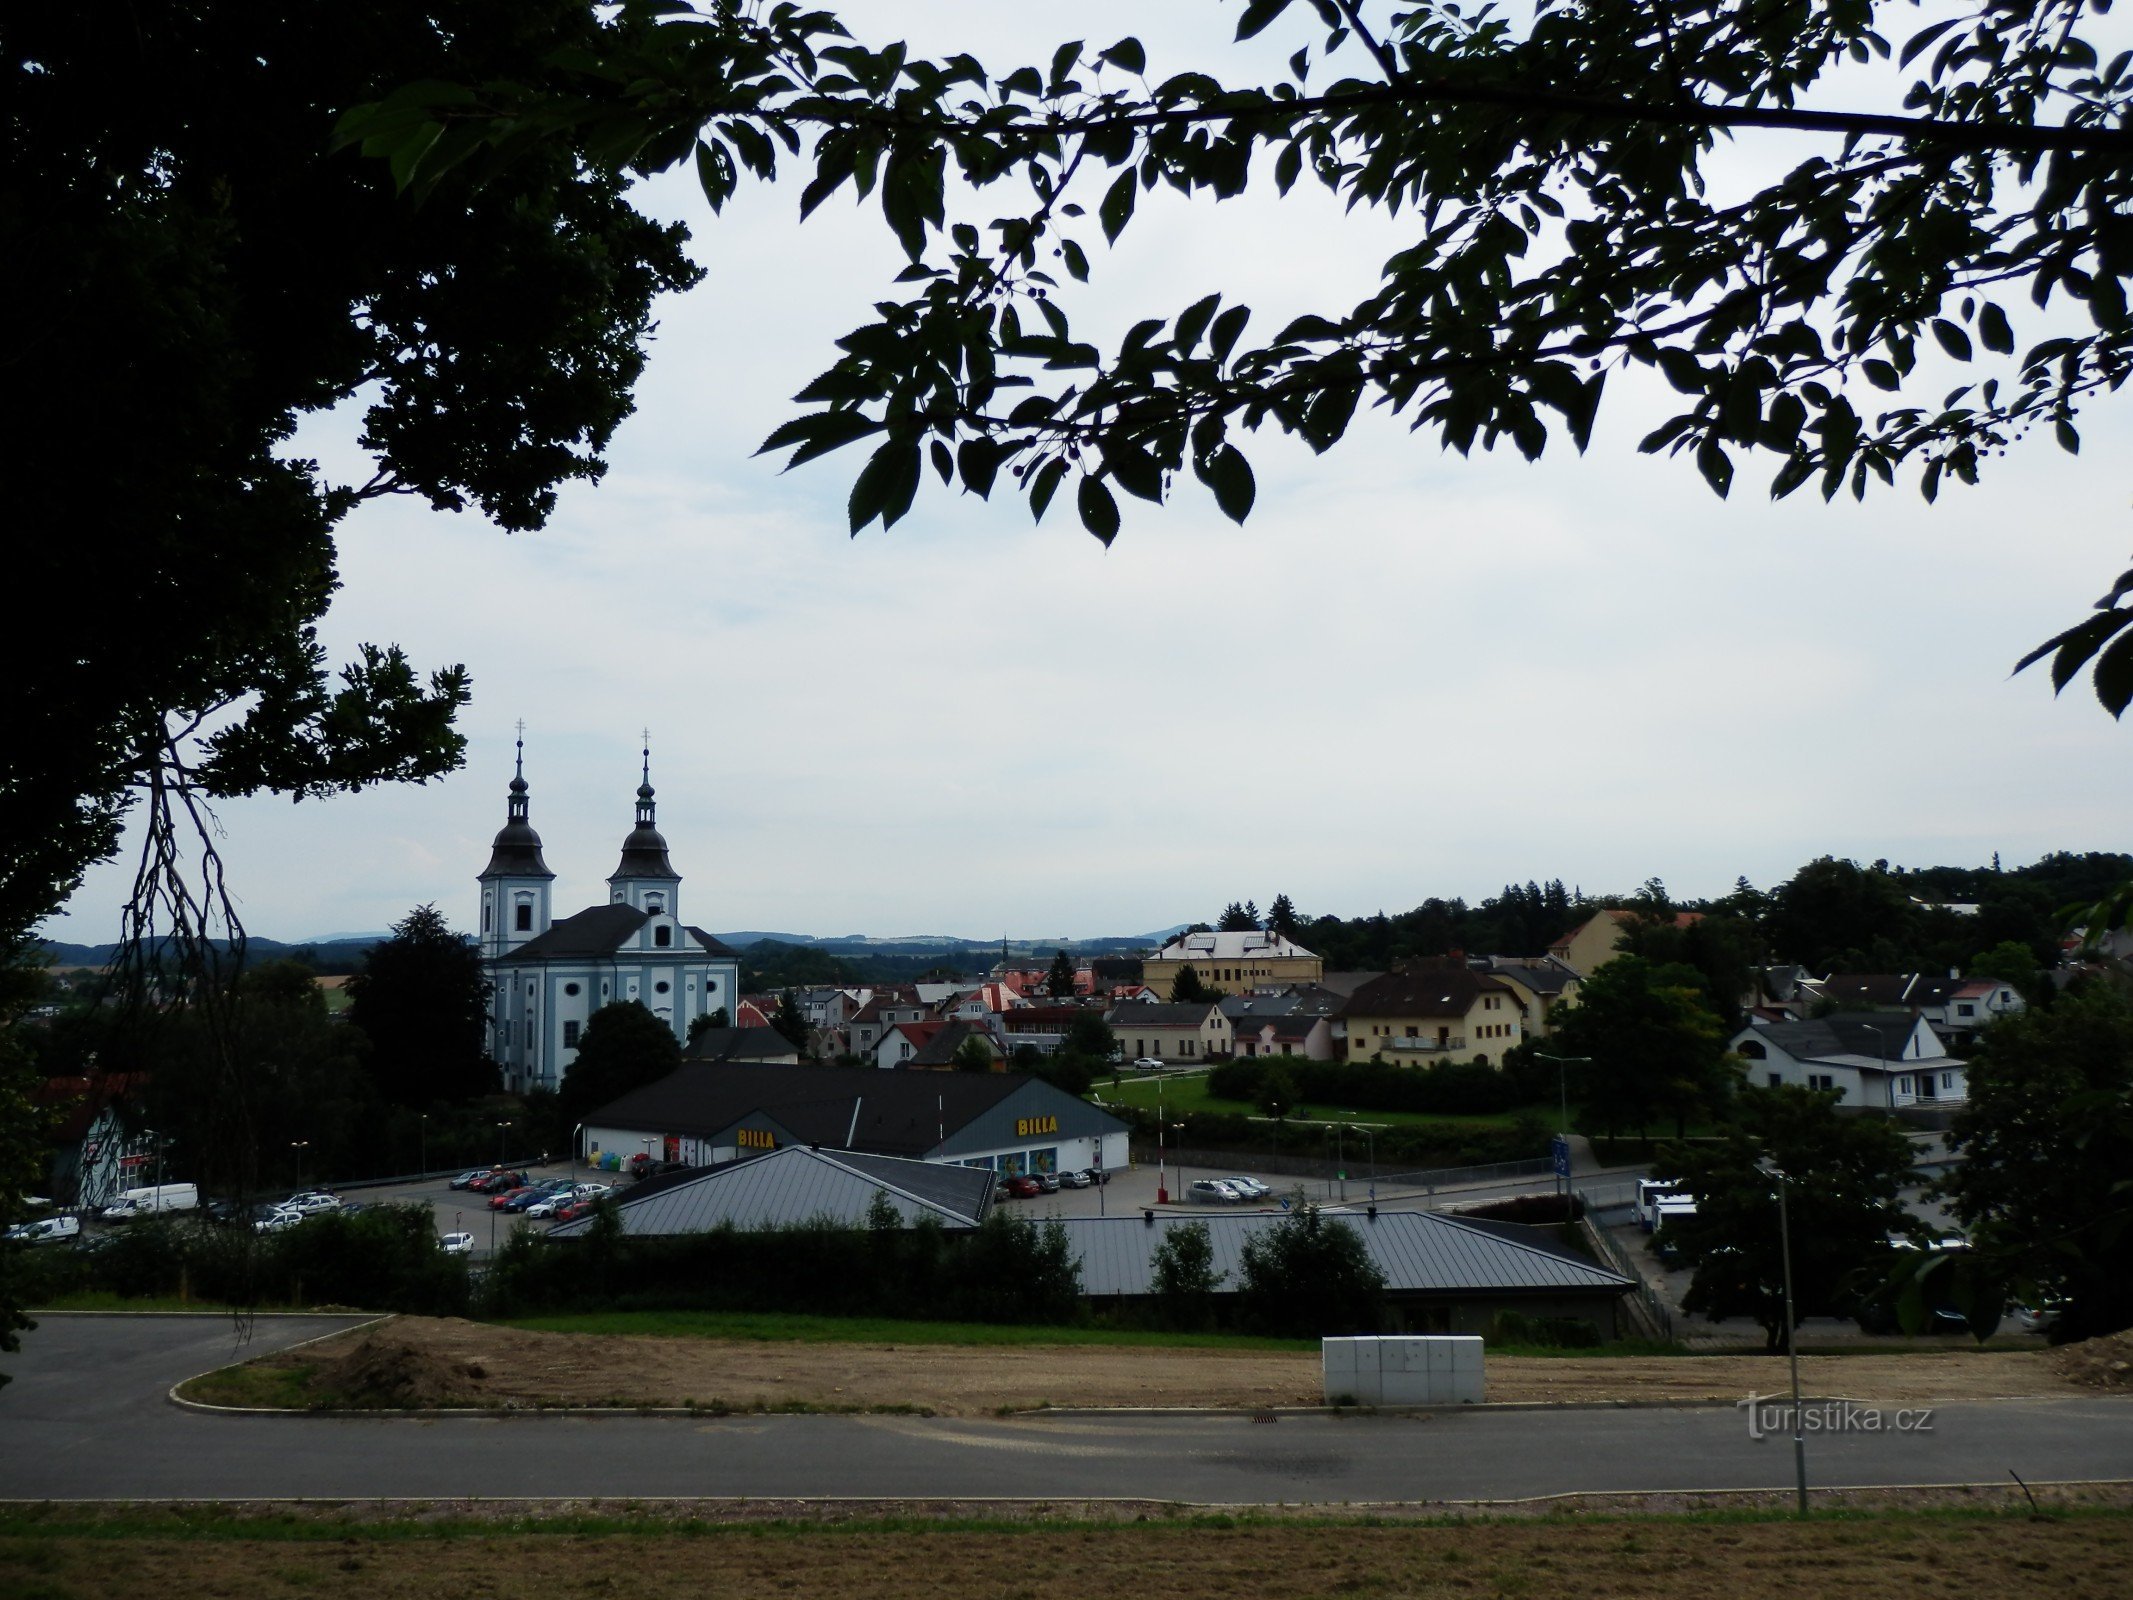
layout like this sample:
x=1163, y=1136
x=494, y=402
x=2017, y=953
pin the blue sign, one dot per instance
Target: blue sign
x=1559, y=1147
x=1284, y=1202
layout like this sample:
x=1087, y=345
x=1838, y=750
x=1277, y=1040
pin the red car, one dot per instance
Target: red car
x=577, y=1208
x=1021, y=1187
x=499, y=1200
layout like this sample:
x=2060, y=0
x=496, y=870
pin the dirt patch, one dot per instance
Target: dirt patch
x=444, y=1362
x=2008, y=1558
x=2105, y=1363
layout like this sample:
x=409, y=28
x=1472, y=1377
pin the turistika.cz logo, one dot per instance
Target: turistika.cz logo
x=1770, y=1416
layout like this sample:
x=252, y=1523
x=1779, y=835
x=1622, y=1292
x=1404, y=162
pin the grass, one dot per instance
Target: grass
x=1190, y=1094
x=779, y=1327
x=283, y=1386
x=104, y=1300
x=1170, y=1553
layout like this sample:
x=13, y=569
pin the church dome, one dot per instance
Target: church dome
x=644, y=852
x=516, y=852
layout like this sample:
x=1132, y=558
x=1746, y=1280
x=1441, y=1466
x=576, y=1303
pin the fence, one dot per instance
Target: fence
x=1354, y=1164
x=1654, y=1310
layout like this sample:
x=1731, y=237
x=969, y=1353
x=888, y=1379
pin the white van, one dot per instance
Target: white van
x=46, y=1230
x=1652, y=1191
x=153, y=1200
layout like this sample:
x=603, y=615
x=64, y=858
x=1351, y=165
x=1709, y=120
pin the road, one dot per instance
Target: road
x=86, y=1418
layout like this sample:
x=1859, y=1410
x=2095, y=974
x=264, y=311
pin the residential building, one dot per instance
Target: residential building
x=1543, y=987
x=1161, y=1030
x=761, y=1046
x=1236, y=963
x=1433, y=1011
x=1598, y=940
x=1874, y=1063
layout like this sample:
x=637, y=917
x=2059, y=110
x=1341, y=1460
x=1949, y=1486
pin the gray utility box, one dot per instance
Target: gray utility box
x=1403, y=1370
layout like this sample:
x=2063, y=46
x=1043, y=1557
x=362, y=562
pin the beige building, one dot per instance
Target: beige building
x=1235, y=963
x=1597, y=941
x=1543, y=987
x=1433, y=1011
x=1170, y=1031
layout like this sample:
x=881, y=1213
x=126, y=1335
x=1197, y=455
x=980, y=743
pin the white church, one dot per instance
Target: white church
x=548, y=977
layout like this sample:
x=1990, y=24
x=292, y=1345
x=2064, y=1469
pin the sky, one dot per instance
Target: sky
x=1407, y=675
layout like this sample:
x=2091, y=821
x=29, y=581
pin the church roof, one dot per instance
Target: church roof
x=601, y=931
x=516, y=853
x=644, y=855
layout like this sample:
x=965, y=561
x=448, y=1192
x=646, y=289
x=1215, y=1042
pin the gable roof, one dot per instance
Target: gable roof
x=1417, y=1251
x=939, y=1051
x=1859, y=1041
x=1163, y=1013
x=1621, y=918
x=1443, y=988
x=782, y=1188
x=740, y=1044
x=1548, y=975
x=1248, y=945
x=891, y=1113
x=600, y=931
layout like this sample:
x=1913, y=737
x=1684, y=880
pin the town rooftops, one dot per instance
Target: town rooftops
x=740, y=1044
x=1163, y=1013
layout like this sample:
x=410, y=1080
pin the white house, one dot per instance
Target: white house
x=1875, y=1063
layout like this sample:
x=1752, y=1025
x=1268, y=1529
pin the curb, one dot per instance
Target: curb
x=368, y=1320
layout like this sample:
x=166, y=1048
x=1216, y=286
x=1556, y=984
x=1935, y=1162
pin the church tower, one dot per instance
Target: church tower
x=515, y=884
x=645, y=878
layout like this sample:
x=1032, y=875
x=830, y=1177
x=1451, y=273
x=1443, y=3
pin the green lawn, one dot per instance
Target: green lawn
x=774, y=1326
x=1190, y=1094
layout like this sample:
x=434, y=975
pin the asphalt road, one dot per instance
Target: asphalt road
x=87, y=1418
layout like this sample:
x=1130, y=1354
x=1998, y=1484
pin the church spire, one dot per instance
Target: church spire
x=644, y=852
x=517, y=850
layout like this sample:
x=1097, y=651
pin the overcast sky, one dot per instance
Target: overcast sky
x=1408, y=675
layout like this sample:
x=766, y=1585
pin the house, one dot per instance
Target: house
x=1299, y=1021
x=1543, y=987
x=1958, y=1007
x=903, y=1040
x=938, y=1054
x=1163, y=1030
x=1433, y=1011
x=1874, y=1063
x=1598, y=940
x=1004, y=1121
x=887, y=1008
x=1233, y=962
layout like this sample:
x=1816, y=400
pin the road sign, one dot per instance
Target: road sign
x=1559, y=1147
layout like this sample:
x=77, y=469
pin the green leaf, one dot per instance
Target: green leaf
x=1043, y=484
x=978, y=459
x=886, y=485
x=1128, y=54
x=1716, y=466
x=819, y=434
x=1952, y=338
x=1099, y=511
x=1230, y=476
x=1227, y=328
x=1116, y=209
x=1257, y=15
x=1076, y=261
x=1193, y=320
x=943, y=462
x=2113, y=674
x=1994, y=330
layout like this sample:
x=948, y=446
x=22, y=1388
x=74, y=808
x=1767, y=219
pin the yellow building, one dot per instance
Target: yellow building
x=1432, y=1011
x=1235, y=963
x=1594, y=943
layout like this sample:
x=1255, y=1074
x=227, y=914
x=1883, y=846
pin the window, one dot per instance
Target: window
x=655, y=902
x=1966, y=1010
x=660, y=987
x=570, y=988
x=1947, y=1080
x=524, y=920
x=1752, y=1050
x=1903, y=1085
x=662, y=936
x=570, y=1036
x=1777, y=1080
x=486, y=908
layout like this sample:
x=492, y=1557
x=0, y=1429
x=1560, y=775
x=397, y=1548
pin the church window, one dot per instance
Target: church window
x=655, y=902
x=570, y=988
x=570, y=1036
x=525, y=916
x=662, y=936
x=660, y=987
x=486, y=908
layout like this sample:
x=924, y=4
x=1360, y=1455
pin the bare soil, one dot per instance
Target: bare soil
x=2081, y=1557
x=431, y=1362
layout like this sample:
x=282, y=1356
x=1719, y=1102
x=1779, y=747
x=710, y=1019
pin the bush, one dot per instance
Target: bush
x=1310, y=1277
x=1543, y=1333
x=1448, y=1088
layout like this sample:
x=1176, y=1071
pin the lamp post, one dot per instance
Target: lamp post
x=1563, y=1065
x=1792, y=1353
x=299, y=1146
x=1162, y=1175
x=422, y=1126
x=1881, y=1049
x=1369, y=1131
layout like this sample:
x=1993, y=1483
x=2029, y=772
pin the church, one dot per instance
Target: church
x=549, y=977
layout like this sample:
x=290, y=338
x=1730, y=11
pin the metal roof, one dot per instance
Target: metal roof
x=784, y=1188
x=1417, y=1251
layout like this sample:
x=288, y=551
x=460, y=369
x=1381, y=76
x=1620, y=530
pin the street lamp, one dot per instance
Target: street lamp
x=1792, y=1352
x=299, y=1146
x=502, y=1124
x=422, y=1124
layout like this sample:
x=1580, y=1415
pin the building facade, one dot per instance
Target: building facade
x=548, y=977
x=1235, y=963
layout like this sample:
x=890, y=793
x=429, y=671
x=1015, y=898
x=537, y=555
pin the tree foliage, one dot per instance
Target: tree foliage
x=421, y=998
x=1309, y=1276
x=1059, y=980
x=2041, y=1187
x=1186, y=1277
x=1937, y=274
x=623, y=1047
x=1846, y=1176
x=1188, y=988
x=1653, y=1047
x=206, y=271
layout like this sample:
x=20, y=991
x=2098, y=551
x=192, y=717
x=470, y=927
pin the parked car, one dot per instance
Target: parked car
x=501, y=1201
x=497, y=1181
x=549, y=1204
x=1020, y=1187
x=467, y=1178
x=1249, y=1188
x=526, y=1199
x=458, y=1244
x=592, y=1191
x=1047, y=1182
x=1074, y=1180
x=1148, y=1064
x=1096, y=1175
x=311, y=1202
x=46, y=1230
x=2038, y=1319
x=275, y=1221
x=1212, y=1192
